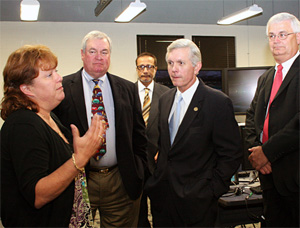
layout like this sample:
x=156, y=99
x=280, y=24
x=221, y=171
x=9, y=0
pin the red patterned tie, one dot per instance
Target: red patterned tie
x=276, y=84
x=98, y=107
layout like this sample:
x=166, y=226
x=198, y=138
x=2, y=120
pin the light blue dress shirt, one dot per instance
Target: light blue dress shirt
x=110, y=158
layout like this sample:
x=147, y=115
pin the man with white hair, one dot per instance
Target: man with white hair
x=199, y=146
x=116, y=175
x=272, y=124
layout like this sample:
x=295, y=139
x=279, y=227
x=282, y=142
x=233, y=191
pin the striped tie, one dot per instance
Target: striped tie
x=146, y=106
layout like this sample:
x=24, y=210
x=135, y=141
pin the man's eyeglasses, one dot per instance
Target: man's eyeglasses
x=142, y=67
x=281, y=36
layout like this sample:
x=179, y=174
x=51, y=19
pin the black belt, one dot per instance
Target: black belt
x=103, y=169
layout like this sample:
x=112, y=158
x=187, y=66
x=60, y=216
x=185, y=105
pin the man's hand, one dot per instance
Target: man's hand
x=155, y=157
x=259, y=161
x=87, y=145
x=267, y=169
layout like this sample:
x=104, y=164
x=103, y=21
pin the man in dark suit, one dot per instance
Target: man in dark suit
x=115, y=181
x=194, y=165
x=149, y=93
x=272, y=125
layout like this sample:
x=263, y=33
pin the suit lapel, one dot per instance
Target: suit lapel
x=294, y=70
x=192, y=111
x=165, y=112
x=154, y=107
x=117, y=93
x=78, y=99
x=268, y=85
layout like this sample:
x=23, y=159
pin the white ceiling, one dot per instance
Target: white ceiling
x=158, y=11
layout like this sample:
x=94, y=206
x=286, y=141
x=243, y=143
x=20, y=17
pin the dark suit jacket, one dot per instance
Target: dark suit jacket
x=204, y=155
x=282, y=148
x=130, y=128
x=152, y=132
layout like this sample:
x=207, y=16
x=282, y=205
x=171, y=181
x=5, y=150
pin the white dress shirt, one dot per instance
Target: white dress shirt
x=187, y=97
x=285, y=69
x=141, y=89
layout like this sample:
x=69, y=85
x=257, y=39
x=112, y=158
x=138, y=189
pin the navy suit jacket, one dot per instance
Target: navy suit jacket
x=152, y=132
x=282, y=148
x=204, y=155
x=131, y=141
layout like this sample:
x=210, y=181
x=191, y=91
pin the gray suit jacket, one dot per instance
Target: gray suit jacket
x=152, y=132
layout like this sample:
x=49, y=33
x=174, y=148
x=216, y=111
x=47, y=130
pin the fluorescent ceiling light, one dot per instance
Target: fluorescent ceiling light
x=134, y=9
x=29, y=10
x=241, y=15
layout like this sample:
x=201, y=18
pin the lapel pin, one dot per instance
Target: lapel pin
x=195, y=109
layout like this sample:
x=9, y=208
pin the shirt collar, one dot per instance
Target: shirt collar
x=142, y=87
x=287, y=64
x=189, y=93
x=89, y=78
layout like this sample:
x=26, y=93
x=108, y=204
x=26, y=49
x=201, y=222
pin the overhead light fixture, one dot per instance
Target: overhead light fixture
x=101, y=6
x=134, y=9
x=29, y=10
x=241, y=15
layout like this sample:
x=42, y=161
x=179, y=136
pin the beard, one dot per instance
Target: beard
x=146, y=79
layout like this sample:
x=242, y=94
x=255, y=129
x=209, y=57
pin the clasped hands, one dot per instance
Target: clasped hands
x=259, y=161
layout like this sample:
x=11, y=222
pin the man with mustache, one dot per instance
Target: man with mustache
x=149, y=92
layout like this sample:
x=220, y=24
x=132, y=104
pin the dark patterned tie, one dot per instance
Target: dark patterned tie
x=146, y=106
x=98, y=107
x=275, y=87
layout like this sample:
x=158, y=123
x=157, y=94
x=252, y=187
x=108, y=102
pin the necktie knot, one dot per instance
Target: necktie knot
x=277, y=82
x=96, y=81
x=180, y=98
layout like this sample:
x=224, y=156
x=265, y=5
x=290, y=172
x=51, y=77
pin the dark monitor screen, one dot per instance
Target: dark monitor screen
x=211, y=77
x=240, y=86
x=162, y=77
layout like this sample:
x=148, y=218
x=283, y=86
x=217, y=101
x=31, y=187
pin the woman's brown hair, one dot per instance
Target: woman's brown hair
x=22, y=67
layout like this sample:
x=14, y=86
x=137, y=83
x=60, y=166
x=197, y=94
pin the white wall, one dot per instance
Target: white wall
x=64, y=39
